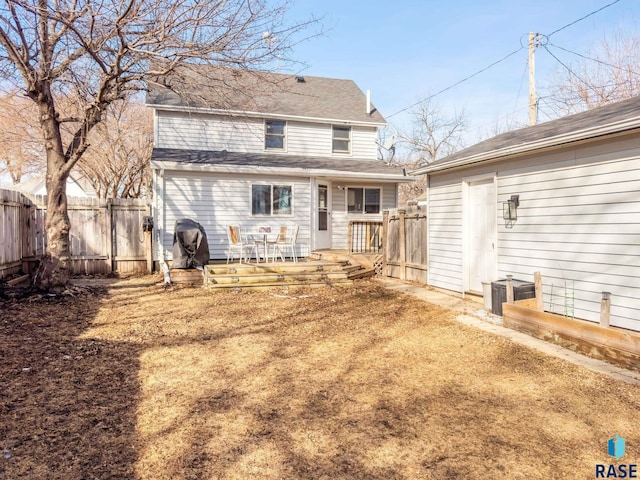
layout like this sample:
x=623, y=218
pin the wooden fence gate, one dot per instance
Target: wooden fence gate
x=405, y=243
x=106, y=235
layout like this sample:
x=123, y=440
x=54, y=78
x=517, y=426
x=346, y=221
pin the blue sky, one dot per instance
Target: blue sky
x=406, y=50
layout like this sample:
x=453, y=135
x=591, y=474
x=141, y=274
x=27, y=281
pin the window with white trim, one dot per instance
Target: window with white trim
x=341, y=139
x=274, y=134
x=271, y=199
x=363, y=200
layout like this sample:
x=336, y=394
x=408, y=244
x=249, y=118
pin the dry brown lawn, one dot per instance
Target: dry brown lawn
x=357, y=383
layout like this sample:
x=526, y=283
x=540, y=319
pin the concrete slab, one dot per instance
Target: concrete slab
x=471, y=312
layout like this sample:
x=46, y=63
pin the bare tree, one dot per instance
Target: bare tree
x=117, y=162
x=608, y=73
x=98, y=53
x=21, y=150
x=434, y=135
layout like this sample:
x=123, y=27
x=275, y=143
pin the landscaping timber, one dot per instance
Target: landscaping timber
x=269, y=275
x=612, y=344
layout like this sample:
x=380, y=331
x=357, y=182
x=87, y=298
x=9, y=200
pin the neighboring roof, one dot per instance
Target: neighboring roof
x=607, y=120
x=291, y=165
x=36, y=185
x=265, y=93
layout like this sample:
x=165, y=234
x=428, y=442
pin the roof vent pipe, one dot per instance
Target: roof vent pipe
x=368, y=102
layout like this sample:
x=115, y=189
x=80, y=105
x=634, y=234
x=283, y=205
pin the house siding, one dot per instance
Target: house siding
x=578, y=224
x=199, y=132
x=246, y=135
x=445, y=236
x=216, y=201
x=341, y=219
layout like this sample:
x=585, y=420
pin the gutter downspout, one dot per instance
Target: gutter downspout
x=159, y=198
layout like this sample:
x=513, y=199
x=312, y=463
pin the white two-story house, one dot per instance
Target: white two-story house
x=265, y=149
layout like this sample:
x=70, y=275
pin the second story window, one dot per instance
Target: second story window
x=274, y=135
x=341, y=139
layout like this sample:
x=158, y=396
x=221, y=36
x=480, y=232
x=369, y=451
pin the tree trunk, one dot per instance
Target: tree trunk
x=54, y=271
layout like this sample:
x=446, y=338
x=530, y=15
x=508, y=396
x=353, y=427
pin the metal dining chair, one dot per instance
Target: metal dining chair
x=237, y=243
x=287, y=239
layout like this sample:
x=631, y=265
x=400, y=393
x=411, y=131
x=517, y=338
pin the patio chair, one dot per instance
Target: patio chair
x=237, y=243
x=287, y=239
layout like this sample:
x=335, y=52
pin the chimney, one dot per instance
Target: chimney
x=368, y=102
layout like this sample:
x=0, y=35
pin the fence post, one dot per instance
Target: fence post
x=537, y=278
x=385, y=242
x=148, y=244
x=25, y=231
x=350, y=238
x=109, y=232
x=403, y=244
x=605, y=309
x=509, y=288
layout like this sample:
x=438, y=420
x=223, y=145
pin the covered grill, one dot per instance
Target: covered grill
x=190, y=248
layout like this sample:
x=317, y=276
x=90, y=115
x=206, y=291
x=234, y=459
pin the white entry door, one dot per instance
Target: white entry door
x=482, y=234
x=323, y=217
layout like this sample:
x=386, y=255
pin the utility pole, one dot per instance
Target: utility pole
x=533, y=37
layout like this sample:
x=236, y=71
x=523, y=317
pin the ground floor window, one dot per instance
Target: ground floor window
x=271, y=200
x=363, y=200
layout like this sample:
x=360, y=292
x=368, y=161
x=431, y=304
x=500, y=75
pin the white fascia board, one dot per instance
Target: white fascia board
x=275, y=116
x=545, y=143
x=288, y=172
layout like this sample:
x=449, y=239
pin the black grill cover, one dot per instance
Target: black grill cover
x=190, y=248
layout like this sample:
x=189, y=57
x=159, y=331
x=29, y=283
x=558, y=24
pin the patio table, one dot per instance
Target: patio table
x=261, y=236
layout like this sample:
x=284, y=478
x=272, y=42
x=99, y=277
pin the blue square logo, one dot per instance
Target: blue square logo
x=615, y=447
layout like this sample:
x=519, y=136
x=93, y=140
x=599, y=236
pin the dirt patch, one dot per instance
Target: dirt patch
x=130, y=380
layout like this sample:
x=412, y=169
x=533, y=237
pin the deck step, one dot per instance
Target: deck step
x=187, y=276
x=306, y=273
x=362, y=273
x=269, y=268
x=265, y=286
x=282, y=278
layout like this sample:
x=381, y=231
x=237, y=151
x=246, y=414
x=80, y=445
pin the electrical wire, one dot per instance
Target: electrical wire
x=524, y=73
x=617, y=67
x=586, y=84
x=505, y=58
x=582, y=18
x=457, y=83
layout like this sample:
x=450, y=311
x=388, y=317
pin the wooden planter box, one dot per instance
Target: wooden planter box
x=612, y=344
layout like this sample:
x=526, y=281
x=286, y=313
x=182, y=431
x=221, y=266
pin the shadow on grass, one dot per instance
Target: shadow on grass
x=67, y=404
x=324, y=386
x=360, y=383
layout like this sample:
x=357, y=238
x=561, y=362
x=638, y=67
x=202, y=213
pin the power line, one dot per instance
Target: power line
x=586, y=84
x=502, y=60
x=456, y=84
x=582, y=18
x=617, y=67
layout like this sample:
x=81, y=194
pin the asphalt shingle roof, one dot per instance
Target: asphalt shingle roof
x=221, y=88
x=225, y=158
x=613, y=113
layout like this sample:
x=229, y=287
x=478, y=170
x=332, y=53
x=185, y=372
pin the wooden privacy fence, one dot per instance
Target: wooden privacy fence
x=106, y=235
x=22, y=235
x=405, y=243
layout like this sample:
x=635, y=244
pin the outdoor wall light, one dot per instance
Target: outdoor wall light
x=510, y=208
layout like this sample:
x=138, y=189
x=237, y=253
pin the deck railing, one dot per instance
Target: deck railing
x=365, y=236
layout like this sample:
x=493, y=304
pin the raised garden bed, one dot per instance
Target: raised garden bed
x=612, y=344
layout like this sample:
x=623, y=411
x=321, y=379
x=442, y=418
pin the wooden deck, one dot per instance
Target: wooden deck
x=326, y=268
